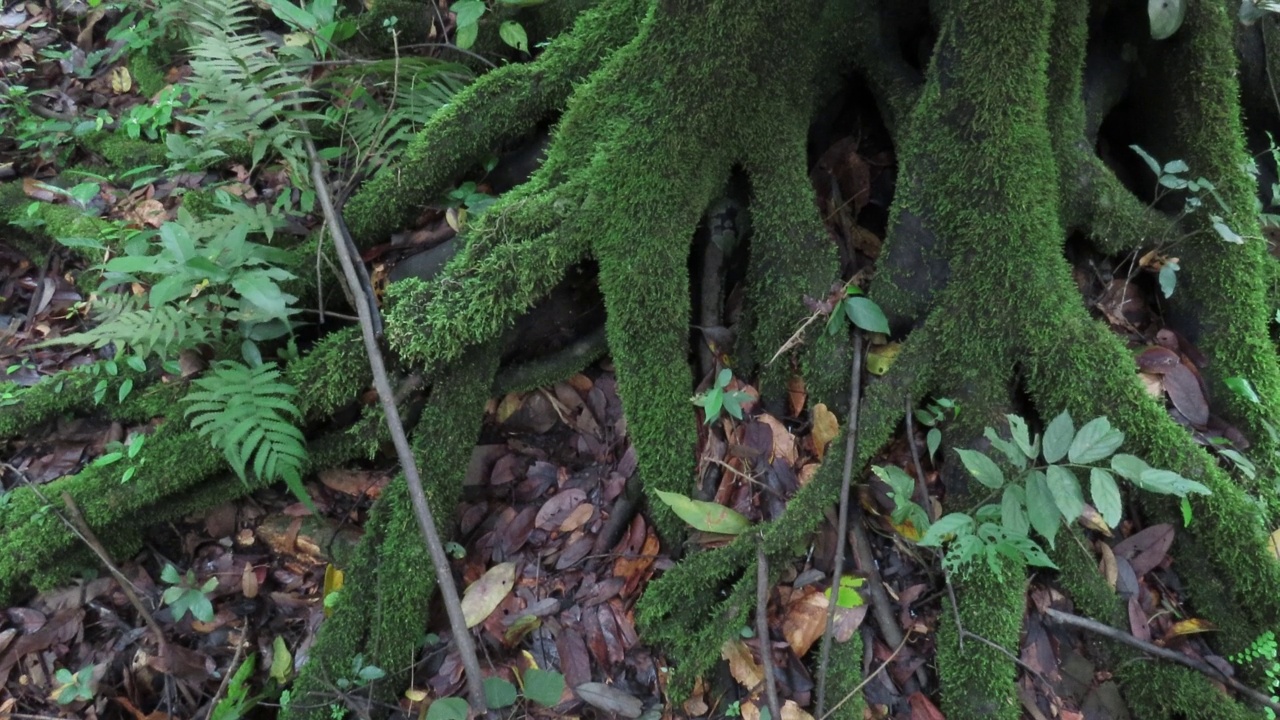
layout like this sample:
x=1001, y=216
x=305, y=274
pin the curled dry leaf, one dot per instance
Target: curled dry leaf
x=742, y=666
x=805, y=619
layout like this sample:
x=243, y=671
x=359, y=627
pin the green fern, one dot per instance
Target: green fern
x=163, y=330
x=249, y=415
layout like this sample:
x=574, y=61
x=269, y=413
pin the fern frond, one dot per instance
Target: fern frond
x=163, y=330
x=249, y=415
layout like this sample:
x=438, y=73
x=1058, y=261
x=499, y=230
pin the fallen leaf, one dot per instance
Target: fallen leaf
x=784, y=443
x=1146, y=549
x=796, y=395
x=1107, y=564
x=1183, y=388
x=121, y=81
x=561, y=505
x=805, y=620
x=825, y=428
x=1190, y=626
x=742, y=666
x=706, y=516
x=485, y=594
x=609, y=699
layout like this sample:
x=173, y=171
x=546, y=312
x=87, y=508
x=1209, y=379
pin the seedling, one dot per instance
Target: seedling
x=185, y=596
x=717, y=397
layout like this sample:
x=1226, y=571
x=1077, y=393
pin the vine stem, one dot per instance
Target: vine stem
x=842, y=523
x=421, y=509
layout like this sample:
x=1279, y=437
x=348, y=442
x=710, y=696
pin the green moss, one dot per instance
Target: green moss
x=977, y=682
x=123, y=152
x=148, y=73
x=384, y=621
x=506, y=104
x=844, y=673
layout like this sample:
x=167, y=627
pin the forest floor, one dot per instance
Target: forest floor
x=544, y=479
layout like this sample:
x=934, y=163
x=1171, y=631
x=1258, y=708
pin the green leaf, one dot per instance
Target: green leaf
x=953, y=524
x=1041, y=507
x=1013, y=513
x=1225, y=232
x=543, y=687
x=1021, y=436
x=1168, y=482
x=1128, y=466
x=867, y=315
x=1168, y=278
x=281, y=661
x=933, y=439
x=499, y=693
x=1010, y=450
x=170, y=574
x=1106, y=495
x=513, y=34
x=1058, y=436
x=1150, y=161
x=1243, y=388
x=982, y=468
x=705, y=516
x=1065, y=489
x=1166, y=17
x=723, y=378
x=1176, y=166
x=468, y=12
x=1095, y=441
x=848, y=597
x=126, y=387
x=466, y=36
x=293, y=15
x=449, y=708
x=1185, y=505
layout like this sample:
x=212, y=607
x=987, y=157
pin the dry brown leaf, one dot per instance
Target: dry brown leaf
x=578, y=517
x=742, y=666
x=806, y=473
x=784, y=443
x=825, y=428
x=1107, y=564
x=790, y=710
x=1153, y=384
x=796, y=395
x=581, y=383
x=805, y=619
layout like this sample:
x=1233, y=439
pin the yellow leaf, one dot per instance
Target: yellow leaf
x=121, y=81
x=333, y=579
x=825, y=428
x=485, y=594
x=1191, y=626
x=1273, y=543
x=281, y=661
x=415, y=695
x=881, y=357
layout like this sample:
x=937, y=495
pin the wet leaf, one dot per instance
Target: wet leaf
x=485, y=594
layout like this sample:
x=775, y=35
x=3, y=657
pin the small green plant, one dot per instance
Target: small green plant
x=467, y=14
x=931, y=416
x=73, y=687
x=1043, y=492
x=716, y=398
x=1262, y=652
x=185, y=596
x=361, y=674
x=861, y=311
x=237, y=701
x=542, y=687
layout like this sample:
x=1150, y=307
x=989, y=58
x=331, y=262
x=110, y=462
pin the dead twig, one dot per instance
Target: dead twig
x=1125, y=638
x=421, y=510
x=762, y=629
x=842, y=522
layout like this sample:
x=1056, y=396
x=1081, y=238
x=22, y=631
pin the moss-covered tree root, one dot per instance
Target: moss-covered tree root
x=383, y=613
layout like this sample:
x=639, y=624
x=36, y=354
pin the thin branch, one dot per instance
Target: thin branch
x=1125, y=638
x=762, y=629
x=421, y=510
x=842, y=523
